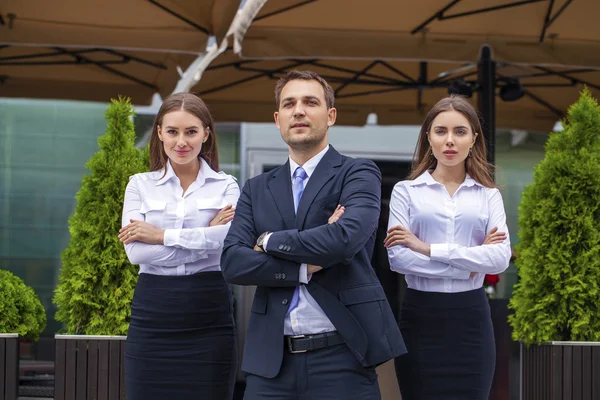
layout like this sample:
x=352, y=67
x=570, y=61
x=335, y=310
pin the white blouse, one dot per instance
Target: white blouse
x=190, y=244
x=454, y=227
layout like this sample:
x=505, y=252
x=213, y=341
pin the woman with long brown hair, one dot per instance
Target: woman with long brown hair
x=437, y=238
x=181, y=342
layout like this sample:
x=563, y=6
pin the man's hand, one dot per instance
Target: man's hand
x=311, y=269
x=140, y=231
x=224, y=216
x=401, y=235
x=494, y=237
x=337, y=214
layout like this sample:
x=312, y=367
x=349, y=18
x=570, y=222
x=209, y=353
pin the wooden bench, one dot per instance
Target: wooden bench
x=9, y=366
x=89, y=367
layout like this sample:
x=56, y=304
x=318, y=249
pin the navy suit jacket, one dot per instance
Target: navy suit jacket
x=347, y=288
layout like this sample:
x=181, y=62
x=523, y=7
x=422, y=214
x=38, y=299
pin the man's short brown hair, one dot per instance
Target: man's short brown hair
x=307, y=76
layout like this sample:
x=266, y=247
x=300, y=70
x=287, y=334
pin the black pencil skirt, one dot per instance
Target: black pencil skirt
x=181, y=343
x=451, y=349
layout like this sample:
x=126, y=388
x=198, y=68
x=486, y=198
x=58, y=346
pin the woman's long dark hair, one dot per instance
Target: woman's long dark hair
x=476, y=165
x=194, y=105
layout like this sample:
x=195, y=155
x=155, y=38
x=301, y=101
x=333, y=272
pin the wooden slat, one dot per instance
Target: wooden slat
x=525, y=382
x=103, y=361
x=11, y=385
x=577, y=372
x=71, y=370
x=586, y=376
x=122, y=394
x=567, y=373
x=81, y=370
x=596, y=372
x=114, y=372
x=60, y=369
x=92, y=370
x=557, y=371
x=2, y=369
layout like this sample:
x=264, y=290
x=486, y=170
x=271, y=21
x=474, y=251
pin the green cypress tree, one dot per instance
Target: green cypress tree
x=21, y=310
x=97, y=280
x=557, y=297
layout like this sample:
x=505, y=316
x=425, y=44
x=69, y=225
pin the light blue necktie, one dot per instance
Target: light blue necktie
x=297, y=189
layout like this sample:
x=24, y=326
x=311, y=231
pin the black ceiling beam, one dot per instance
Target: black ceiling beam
x=357, y=75
x=108, y=69
x=231, y=64
x=568, y=77
x=76, y=54
x=136, y=59
x=544, y=103
x=434, y=16
x=396, y=70
x=439, y=15
x=180, y=17
x=549, y=20
x=370, y=75
x=543, y=74
x=269, y=74
x=302, y=3
x=546, y=20
x=489, y=9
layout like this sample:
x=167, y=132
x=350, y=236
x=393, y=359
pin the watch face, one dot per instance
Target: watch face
x=261, y=239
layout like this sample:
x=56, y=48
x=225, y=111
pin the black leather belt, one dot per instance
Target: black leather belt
x=304, y=343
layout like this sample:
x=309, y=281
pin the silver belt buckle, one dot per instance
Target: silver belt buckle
x=291, y=348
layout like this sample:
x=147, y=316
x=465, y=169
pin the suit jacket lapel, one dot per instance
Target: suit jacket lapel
x=280, y=187
x=325, y=170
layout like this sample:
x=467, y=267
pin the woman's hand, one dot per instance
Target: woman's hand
x=494, y=237
x=140, y=231
x=337, y=214
x=224, y=216
x=399, y=235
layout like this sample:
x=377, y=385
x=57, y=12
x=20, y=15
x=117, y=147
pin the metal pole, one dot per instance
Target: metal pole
x=486, y=99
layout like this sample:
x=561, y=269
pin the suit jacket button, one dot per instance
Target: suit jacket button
x=282, y=276
x=276, y=276
x=280, y=247
x=287, y=248
x=284, y=301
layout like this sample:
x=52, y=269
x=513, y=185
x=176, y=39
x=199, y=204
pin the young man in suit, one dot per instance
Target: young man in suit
x=303, y=233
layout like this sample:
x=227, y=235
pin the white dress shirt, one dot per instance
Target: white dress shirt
x=454, y=227
x=308, y=317
x=190, y=244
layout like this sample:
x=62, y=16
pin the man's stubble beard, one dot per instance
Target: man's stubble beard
x=304, y=144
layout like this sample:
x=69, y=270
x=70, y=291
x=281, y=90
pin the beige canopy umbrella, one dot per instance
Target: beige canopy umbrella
x=547, y=32
x=399, y=92
x=98, y=49
x=538, y=52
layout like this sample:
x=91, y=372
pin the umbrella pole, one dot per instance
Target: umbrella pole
x=486, y=99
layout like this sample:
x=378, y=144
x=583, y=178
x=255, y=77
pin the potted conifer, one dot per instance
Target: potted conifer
x=97, y=281
x=21, y=315
x=556, y=302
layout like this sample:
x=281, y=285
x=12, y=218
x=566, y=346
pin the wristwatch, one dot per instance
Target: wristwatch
x=260, y=241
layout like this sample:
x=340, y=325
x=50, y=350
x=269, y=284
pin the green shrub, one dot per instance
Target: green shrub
x=557, y=296
x=20, y=308
x=97, y=280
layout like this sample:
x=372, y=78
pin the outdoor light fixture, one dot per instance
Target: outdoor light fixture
x=460, y=87
x=512, y=90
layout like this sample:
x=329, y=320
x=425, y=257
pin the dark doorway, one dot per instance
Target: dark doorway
x=393, y=283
